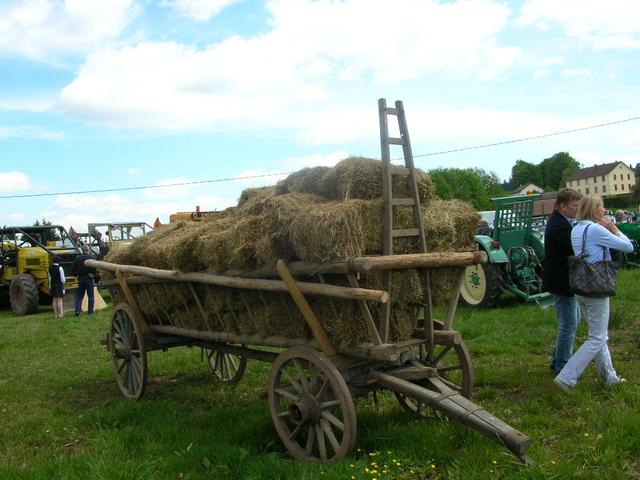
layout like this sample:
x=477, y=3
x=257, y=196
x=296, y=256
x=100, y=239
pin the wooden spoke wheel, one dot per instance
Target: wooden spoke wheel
x=454, y=369
x=128, y=355
x=226, y=367
x=311, y=406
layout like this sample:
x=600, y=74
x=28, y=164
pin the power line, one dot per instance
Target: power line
x=218, y=180
x=524, y=139
x=122, y=189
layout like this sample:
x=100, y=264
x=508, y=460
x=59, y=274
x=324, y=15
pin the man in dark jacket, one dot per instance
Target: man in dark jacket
x=85, y=279
x=557, y=247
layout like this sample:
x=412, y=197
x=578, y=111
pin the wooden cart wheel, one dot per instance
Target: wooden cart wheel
x=311, y=406
x=454, y=369
x=227, y=367
x=128, y=355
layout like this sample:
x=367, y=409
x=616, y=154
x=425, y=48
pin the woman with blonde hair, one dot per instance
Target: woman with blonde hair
x=600, y=234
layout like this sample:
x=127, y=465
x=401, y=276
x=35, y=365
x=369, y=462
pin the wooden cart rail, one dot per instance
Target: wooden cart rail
x=347, y=293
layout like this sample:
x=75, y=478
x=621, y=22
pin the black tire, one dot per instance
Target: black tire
x=24, y=295
x=4, y=296
x=482, y=285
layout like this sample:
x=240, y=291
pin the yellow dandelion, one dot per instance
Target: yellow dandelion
x=553, y=462
x=351, y=465
x=599, y=436
x=494, y=462
x=366, y=470
x=586, y=434
x=433, y=466
x=389, y=452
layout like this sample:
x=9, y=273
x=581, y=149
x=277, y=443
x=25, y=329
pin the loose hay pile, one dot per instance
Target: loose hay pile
x=316, y=215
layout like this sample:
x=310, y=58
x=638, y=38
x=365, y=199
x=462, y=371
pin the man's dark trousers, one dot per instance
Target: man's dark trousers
x=85, y=284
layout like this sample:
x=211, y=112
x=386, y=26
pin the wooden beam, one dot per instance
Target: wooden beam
x=131, y=299
x=296, y=293
x=346, y=293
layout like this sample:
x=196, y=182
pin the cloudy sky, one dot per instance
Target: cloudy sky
x=114, y=94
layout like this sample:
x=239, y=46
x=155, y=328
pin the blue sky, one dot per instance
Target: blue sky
x=108, y=94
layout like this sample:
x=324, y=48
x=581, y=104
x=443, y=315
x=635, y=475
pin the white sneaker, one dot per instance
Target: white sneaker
x=560, y=384
x=617, y=381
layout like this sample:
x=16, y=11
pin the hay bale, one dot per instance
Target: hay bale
x=293, y=222
x=306, y=180
x=359, y=177
x=280, y=211
x=251, y=201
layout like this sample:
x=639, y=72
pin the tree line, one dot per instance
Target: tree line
x=477, y=186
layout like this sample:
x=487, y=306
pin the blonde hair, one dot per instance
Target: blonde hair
x=588, y=208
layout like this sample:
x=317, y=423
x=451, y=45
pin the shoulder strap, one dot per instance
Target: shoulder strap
x=584, y=238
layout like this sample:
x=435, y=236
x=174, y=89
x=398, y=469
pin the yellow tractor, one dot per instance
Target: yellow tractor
x=26, y=253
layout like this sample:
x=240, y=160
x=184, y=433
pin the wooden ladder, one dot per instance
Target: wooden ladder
x=408, y=171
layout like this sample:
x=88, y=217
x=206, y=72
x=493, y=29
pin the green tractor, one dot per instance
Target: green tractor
x=515, y=251
x=26, y=253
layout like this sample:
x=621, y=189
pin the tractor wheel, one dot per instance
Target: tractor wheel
x=482, y=285
x=24, y=295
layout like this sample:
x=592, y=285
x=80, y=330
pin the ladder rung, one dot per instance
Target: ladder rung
x=395, y=170
x=403, y=201
x=391, y=111
x=407, y=232
x=396, y=141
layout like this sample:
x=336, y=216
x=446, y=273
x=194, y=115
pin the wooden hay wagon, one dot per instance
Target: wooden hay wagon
x=312, y=383
x=315, y=373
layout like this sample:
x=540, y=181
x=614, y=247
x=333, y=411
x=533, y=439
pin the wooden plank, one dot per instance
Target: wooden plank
x=448, y=322
x=403, y=202
x=247, y=283
x=405, y=232
x=373, y=331
x=296, y=293
x=398, y=170
x=131, y=299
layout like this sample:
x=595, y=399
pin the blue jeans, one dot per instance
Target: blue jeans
x=85, y=284
x=568, y=313
x=596, y=347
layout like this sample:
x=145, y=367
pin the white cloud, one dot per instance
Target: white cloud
x=213, y=202
x=575, y=72
x=200, y=10
x=172, y=191
x=48, y=30
x=97, y=203
x=26, y=104
x=601, y=24
x=16, y=217
x=274, y=78
x=14, y=182
x=134, y=171
x=30, y=132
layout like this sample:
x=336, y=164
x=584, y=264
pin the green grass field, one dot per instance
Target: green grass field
x=62, y=415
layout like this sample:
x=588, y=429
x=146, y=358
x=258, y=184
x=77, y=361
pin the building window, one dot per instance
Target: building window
x=630, y=187
x=615, y=187
x=622, y=187
x=587, y=190
x=614, y=176
x=603, y=178
x=595, y=189
x=595, y=179
x=604, y=189
x=628, y=176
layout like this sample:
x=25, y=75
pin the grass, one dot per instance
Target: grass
x=62, y=415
